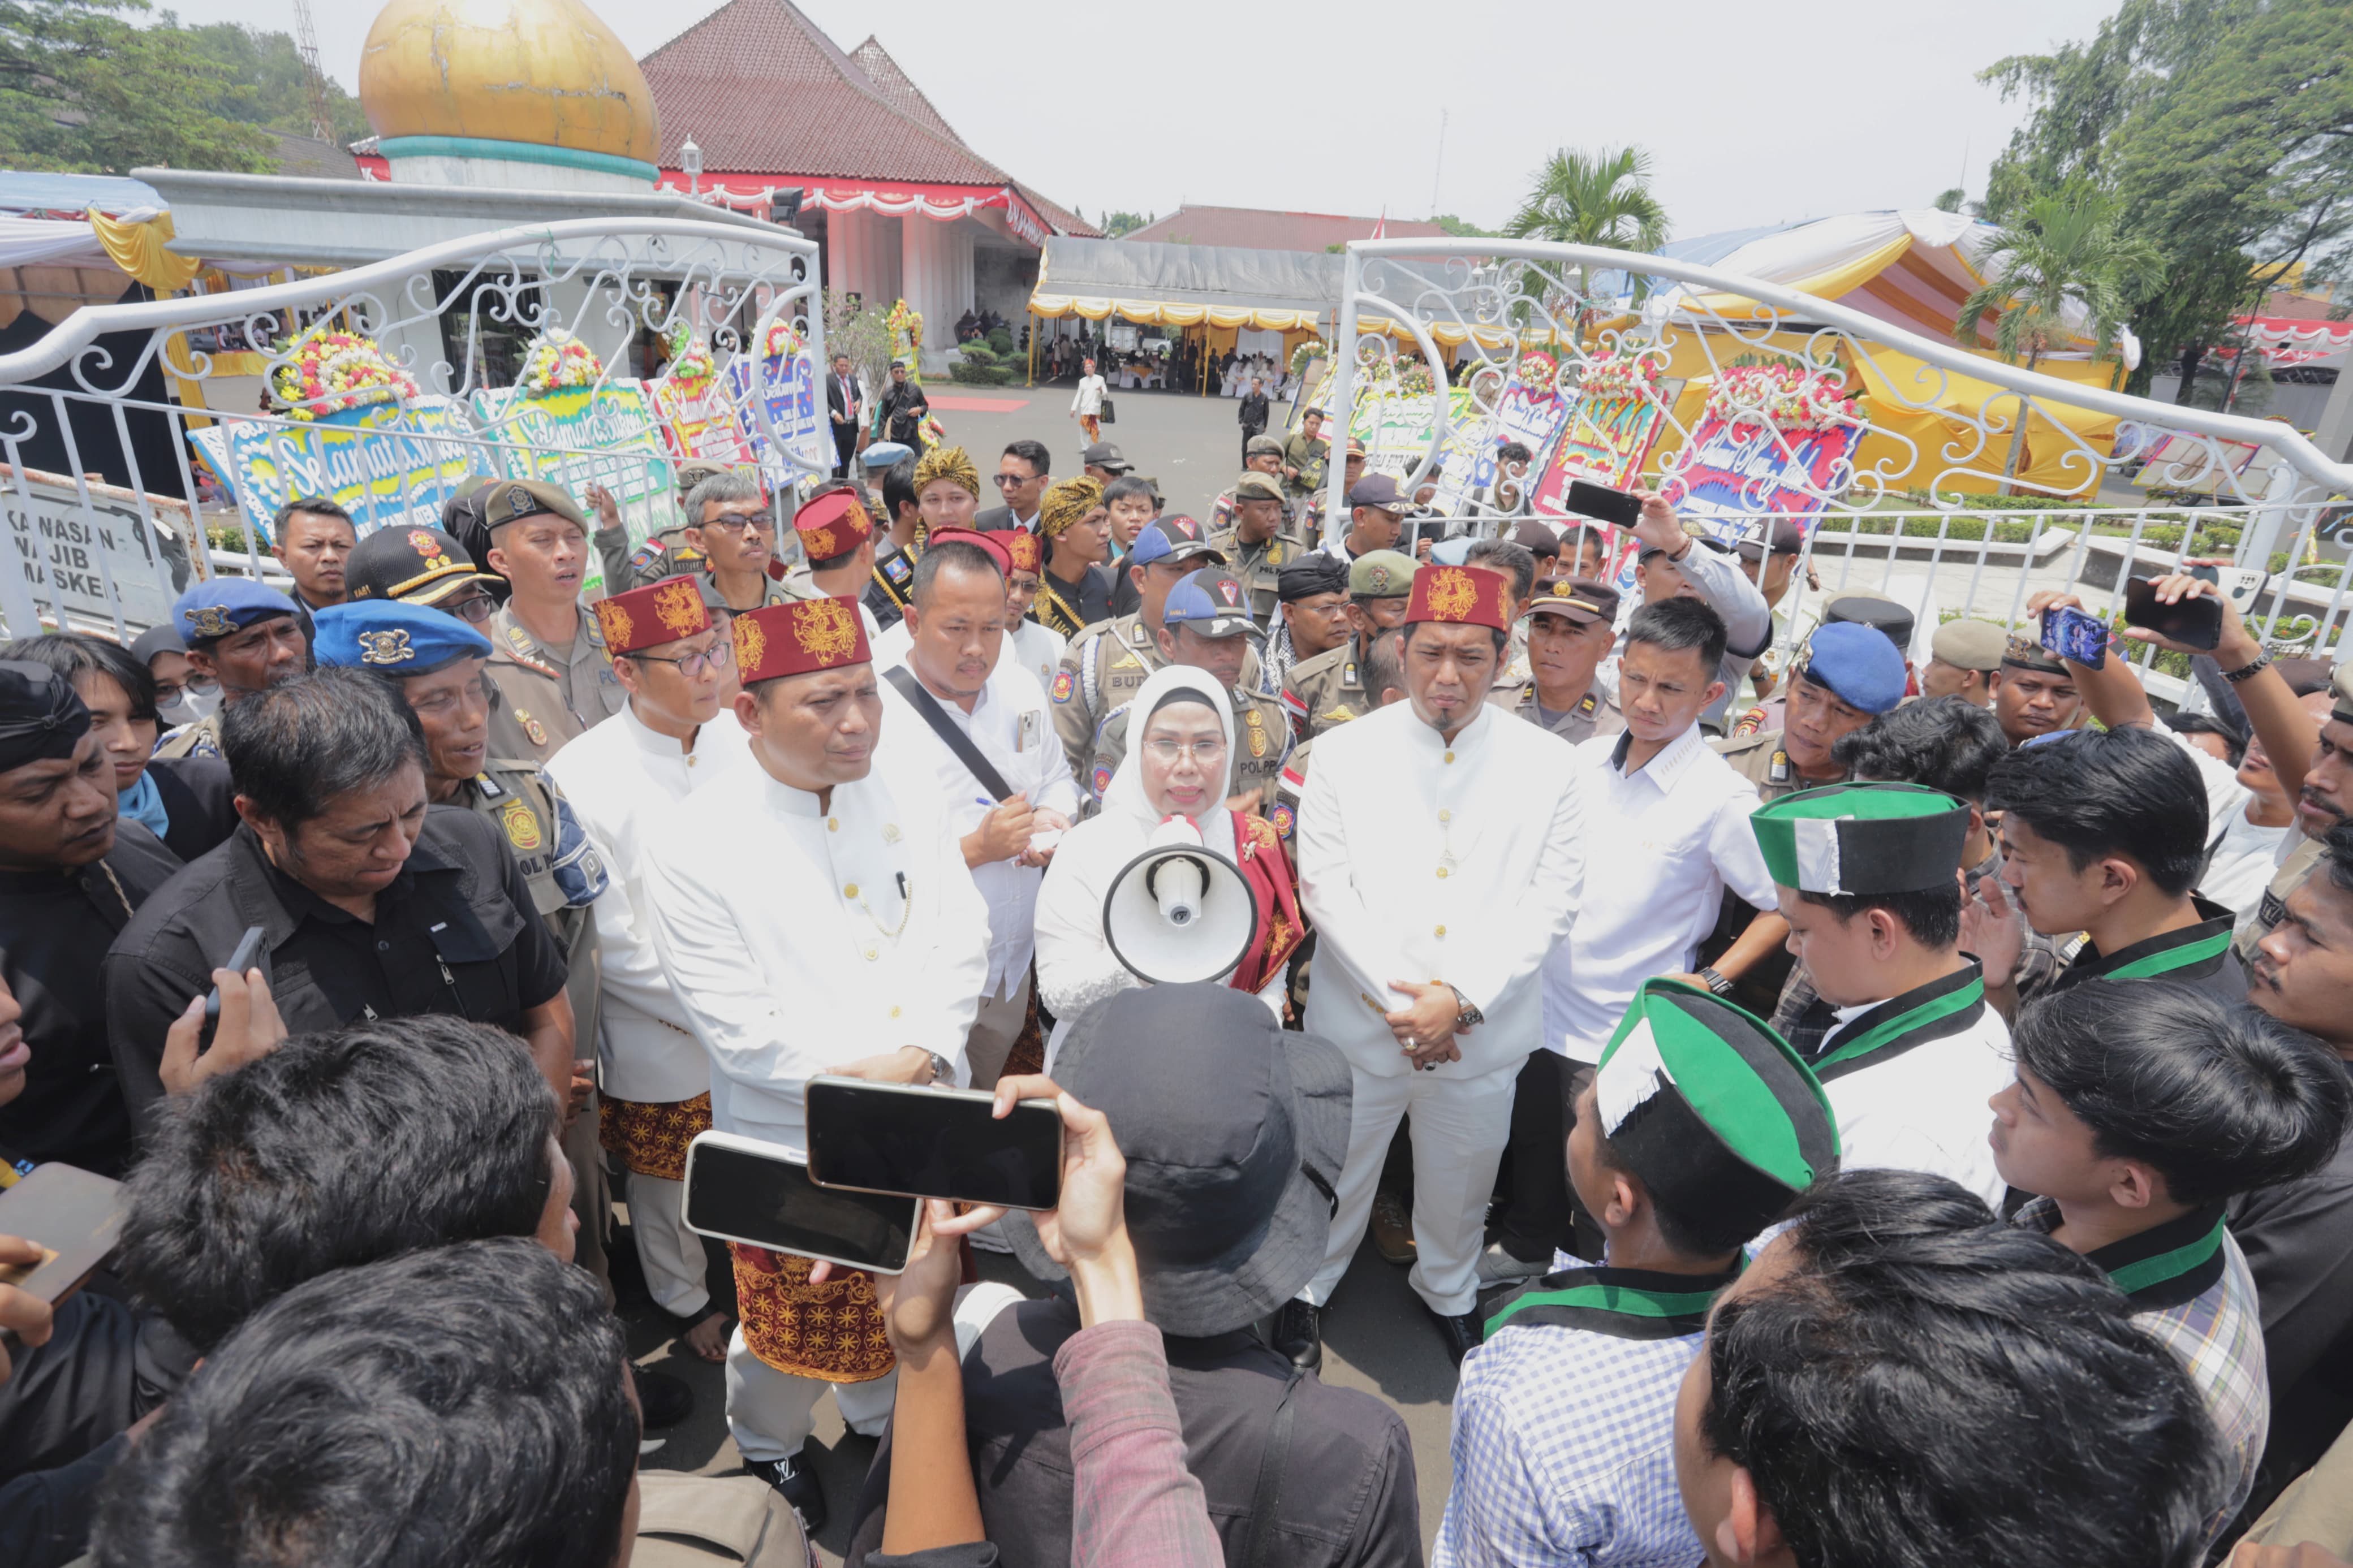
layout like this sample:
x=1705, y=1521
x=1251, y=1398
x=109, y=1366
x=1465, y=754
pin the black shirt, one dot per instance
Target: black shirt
x=55, y=928
x=1253, y=411
x=200, y=800
x=2197, y=955
x=1347, y=1494
x=455, y=932
x=1069, y=608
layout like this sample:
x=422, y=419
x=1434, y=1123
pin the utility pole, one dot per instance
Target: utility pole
x=306, y=44
x=1437, y=174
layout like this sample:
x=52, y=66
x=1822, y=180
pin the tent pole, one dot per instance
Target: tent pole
x=1033, y=349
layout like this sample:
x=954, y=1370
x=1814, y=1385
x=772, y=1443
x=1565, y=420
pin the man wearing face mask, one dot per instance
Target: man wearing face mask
x=71, y=875
x=243, y=639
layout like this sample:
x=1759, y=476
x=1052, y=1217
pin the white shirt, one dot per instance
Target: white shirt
x=1663, y=843
x=1089, y=397
x=1422, y=860
x=1925, y=1109
x=623, y=781
x=1038, y=650
x=784, y=933
x=2243, y=863
x=1009, y=724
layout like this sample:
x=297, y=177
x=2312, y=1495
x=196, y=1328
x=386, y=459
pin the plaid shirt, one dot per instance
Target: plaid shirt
x=1564, y=1452
x=2216, y=1332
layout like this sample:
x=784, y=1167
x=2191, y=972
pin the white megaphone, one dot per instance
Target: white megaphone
x=1179, y=911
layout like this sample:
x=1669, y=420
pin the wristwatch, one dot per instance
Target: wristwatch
x=1467, y=1017
x=942, y=1071
x=1715, y=982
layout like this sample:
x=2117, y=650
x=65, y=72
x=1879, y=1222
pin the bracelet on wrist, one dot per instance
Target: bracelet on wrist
x=2253, y=667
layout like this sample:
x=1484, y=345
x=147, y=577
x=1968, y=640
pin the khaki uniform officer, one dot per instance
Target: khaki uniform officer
x=1964, y=657
x=437, y=663
x=1260, y=455
x=1579, y=623
x=668, y=553
x=1204, y=625
x=547, y=655
x=1329, y=688
x=1848, y=674
x=1256, y=542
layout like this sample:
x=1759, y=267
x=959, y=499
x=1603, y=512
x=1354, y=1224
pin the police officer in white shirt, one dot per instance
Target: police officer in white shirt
x=624, y=778
x=1439, y=847
x=1002, y=781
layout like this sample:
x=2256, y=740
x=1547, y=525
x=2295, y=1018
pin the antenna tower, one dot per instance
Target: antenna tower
x=306, y=44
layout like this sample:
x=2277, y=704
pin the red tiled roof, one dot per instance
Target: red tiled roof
x=1064, y=220
x=761, y=89
x=1255, y=228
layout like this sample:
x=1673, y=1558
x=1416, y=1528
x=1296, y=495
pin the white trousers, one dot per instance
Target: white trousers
x=670, y=1254
x=769, y=1412
x=1460, y=1126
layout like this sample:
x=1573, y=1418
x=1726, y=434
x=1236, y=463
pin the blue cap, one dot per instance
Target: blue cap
x=1454, y=552
x=1858, y=664
x=1177, y=536
x=210, y=611
x=881, y=455
x=393, y=637
x=1376, y=490
x=1209, y=601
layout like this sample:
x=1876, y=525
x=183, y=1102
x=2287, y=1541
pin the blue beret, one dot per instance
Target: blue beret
x=1858, y=663
x=1454, y=552
x=392, y=638
x=210, y=611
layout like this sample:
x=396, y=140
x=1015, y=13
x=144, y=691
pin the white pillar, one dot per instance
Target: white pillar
x=935, y=261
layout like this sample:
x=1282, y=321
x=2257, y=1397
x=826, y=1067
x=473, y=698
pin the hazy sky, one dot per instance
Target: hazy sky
x=1754, y=113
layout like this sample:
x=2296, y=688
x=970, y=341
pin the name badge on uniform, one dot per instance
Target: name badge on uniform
x=1027, y=736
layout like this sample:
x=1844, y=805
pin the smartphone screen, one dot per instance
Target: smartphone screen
x=2197, y=623
x=2075, y=635
x=1602, y=502
x=768, y=1200
x=936, y=1143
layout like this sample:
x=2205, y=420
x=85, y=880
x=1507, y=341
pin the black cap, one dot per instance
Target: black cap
x=421, y=565
x=1105, y=455
x=1787, y=537
x=1881, y=615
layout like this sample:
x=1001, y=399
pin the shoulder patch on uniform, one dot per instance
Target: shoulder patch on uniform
x=1285, y=819
x=519, y=640
x=594, y=628
x=1102, y=778
x=1586, y=708
x=1748, y=723
x=1339, y=715
x=491, y=789
x=898, y=570
x=1065, y=682
x=521, y=825
x=644, y=558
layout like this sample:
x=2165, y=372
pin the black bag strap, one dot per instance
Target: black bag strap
x=955, y=740
x=1267, y=1499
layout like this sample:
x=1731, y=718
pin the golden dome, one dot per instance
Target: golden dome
x=548, y=73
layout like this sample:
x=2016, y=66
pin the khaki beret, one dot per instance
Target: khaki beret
x=1970, y=644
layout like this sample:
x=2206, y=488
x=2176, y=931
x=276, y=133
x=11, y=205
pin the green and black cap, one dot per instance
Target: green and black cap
x=1711, y=1108
x=1863, y=839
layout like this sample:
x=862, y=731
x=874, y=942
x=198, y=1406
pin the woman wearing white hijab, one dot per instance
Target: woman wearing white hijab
x=1179, y=764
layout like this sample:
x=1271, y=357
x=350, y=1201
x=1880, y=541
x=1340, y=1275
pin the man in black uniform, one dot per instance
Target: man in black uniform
x=372, y=903
x=72, y=874
x=1253, y=414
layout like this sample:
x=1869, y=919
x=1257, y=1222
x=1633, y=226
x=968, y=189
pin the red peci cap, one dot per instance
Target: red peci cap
x=1460, y=595
x=648, y=617
x=995, y=545
x=1021, y=549
x=832, y=523
x=798, y=638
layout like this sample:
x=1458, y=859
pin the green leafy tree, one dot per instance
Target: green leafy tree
x=272, y=83
x=1950, y=202
x=1120, y=223
x=2063, y=256
x=1602, y=198
x=1460, y=230
x=85, y=90
x=2224, y=126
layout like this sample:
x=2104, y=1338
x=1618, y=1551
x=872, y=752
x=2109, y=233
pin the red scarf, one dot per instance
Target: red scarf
x=1279, y=930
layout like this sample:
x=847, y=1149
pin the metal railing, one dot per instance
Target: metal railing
x=119, y=400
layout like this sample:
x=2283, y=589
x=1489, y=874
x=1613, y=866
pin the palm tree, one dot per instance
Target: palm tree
x=2063, y=251
x=1602, y=199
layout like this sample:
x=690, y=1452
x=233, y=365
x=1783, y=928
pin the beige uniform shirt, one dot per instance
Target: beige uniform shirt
x=547, y=695
x=1594, y=714
x=1325, y=691
x=1257, y=567
x=1761, y=760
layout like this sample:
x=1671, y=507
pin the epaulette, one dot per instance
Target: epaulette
x=524, y=651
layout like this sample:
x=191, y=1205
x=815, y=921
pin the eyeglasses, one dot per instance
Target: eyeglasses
x=742, y=522
x=477, y=608
x=1205, y=753
x=168, y=692
x=718, y=655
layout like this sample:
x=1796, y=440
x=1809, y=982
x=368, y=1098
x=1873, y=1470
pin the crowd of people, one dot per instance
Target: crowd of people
x=1834, y=1109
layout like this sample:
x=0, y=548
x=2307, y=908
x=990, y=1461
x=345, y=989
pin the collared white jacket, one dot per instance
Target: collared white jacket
x=623, y=780
x=798, y=938
x=1423, y=860
x=1924, y=1109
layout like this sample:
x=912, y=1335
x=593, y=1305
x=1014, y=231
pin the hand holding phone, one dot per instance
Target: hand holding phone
x=1599, y=501
x=56, y=1226
x=932, y=1142
x=241, y=1019
x=2077, y=636
x=2183, y=612
x=757, y=1193
x=25, y=1317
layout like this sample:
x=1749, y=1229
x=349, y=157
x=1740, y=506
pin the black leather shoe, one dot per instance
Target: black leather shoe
x=797, y=1485
x=1299, y=1334
x=666, y=1400
x=1462, y=1332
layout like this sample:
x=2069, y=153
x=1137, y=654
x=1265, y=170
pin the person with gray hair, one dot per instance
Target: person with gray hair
x=372, y=902
x=733, y=527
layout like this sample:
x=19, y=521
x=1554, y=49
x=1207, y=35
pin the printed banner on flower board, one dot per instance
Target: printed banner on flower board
x=699, y=419
x=389, y=465
x=577, y=437
x=1732, y=477
x=788, y=391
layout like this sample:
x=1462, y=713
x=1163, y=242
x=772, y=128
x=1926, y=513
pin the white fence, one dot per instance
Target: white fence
x=1933, y=428
x=103, y=421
